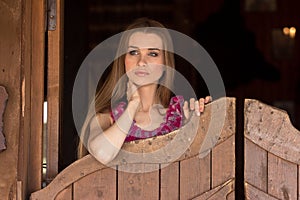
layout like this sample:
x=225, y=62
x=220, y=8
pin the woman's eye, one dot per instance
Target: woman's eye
x=153, y=54
x=133, y=52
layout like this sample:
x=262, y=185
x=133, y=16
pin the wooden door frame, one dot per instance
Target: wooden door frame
x=34, y=43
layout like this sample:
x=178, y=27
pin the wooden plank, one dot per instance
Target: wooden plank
x=101, y=184
x=224, y=191
x=36, y=82
x=231, y=196
x=256, y=169
x=252, y=192
x=282, y=178
x=55, y=66
x=271, y=129
x=25, y=134
x=169, y=182
x=194, y=176
x=66, y=194
x=138, y=185
x=223, y=162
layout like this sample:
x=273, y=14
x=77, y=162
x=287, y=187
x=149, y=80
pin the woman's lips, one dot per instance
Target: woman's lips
x=141, y=73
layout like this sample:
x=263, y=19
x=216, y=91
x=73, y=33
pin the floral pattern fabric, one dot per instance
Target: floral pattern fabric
x=173, y=120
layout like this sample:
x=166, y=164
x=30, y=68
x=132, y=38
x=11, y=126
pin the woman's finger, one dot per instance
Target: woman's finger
x=192, y=103
x=208, y=99
x=201, y=104
x=186, y=110
x=197, y=108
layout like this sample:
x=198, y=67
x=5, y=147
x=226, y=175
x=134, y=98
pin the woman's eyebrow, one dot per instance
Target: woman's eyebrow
x=133, y=47
x=151, y=48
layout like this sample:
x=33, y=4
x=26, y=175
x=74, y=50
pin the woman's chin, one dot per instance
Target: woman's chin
x=144, y=83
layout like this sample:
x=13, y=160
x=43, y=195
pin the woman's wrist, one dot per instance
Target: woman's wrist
x=125, y=120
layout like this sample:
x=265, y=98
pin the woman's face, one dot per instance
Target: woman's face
x=144, y=60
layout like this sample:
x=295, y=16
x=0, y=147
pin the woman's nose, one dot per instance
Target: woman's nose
x=142, y=60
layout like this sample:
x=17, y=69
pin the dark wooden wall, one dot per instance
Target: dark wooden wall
x=239, y=41
x=277, y=79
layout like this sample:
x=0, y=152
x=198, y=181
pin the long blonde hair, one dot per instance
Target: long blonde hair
x=111, y=90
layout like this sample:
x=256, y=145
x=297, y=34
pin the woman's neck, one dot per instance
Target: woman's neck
x=148, y=96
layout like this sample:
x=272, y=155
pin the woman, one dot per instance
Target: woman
x=135, y=101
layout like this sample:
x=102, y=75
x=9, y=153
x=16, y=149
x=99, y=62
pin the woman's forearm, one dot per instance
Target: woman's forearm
x=107, y=145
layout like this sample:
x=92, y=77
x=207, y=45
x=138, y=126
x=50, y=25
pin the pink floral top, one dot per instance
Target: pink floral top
x=172, y=120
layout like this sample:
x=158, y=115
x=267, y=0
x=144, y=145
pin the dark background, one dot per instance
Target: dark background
x=239, y=40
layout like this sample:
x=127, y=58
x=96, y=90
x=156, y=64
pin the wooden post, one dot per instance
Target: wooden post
x=54, y=89
x=34, y=96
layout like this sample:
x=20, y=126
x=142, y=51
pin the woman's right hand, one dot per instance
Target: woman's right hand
x=133, y=98
x=132, y=92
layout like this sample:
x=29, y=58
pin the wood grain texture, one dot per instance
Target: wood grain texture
x=252, y=193
x=54, y=90
x=270, y=135
x=169, y=182
x=194, y=176
x=271, y=129
x=224, y=191
x=34, y=82
x=138, y=185
x=223, y=162
x=25, y=134
x=66, y=194
x=282, y=178
x=98, y=185
x=256, y=166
